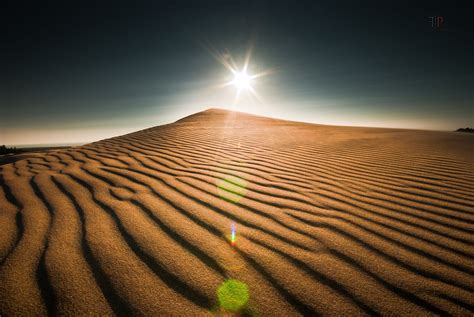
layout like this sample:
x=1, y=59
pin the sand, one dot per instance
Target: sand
x=339, y=221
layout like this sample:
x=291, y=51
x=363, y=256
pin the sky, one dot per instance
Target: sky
x=80, y=71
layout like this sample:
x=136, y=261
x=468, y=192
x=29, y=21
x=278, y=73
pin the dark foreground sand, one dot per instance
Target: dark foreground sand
x=330, y=220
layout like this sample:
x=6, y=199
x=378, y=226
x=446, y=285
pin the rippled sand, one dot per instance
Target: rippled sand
x=329, y=220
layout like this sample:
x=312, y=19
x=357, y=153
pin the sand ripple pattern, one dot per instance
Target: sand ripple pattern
x=330, y=221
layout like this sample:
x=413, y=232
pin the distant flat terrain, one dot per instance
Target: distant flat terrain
x=338, y=221
x=24, y=153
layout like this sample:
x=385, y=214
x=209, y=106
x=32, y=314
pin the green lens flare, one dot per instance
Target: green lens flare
x=232, y=235
x=233, y=295
x=231, y=188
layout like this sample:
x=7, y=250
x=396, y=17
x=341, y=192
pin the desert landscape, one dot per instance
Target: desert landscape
x=312, y=219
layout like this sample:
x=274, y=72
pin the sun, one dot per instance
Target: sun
x=242, y=80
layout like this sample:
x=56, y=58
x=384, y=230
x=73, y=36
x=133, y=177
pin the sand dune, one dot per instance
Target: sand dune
x=329, y=220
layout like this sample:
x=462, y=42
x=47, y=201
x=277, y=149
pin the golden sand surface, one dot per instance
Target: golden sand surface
x=337, y=221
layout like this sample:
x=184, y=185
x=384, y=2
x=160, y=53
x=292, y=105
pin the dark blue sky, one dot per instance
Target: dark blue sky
x=77, y=71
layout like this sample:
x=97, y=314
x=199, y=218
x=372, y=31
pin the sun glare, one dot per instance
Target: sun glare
x=242, y=80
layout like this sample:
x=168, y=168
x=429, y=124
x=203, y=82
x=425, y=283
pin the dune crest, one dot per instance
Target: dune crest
x=328, y=220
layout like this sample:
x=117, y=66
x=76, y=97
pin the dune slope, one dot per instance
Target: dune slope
x=328, y=220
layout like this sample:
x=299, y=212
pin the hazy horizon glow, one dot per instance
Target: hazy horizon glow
x=73, y=80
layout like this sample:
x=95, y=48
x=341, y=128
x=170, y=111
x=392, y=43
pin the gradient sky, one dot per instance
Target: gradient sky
x=79, y=71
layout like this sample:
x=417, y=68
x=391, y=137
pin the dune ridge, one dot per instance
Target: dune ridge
x=330, y=221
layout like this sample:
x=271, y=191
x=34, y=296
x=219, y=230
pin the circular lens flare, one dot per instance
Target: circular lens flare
x=233, y=295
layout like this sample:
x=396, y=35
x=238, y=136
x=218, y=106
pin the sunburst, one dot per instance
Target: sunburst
x=242, y=80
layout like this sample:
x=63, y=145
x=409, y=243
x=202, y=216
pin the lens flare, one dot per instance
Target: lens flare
x=232, y=235
x=231, y=188
x=233, y=295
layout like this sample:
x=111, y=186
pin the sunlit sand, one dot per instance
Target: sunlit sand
x=224, y=213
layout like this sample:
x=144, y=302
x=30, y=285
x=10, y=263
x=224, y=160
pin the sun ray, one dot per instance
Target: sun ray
x=242, y=79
